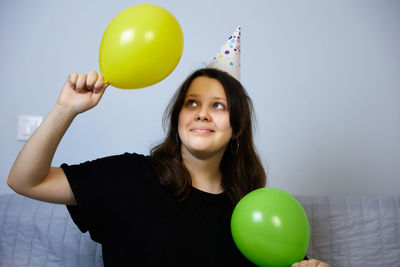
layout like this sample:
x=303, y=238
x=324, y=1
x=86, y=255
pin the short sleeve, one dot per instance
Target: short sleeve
x=89, y=182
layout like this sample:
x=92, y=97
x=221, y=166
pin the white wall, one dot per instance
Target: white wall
x=324, y=77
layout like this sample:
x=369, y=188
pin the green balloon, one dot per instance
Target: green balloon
x=270, y=228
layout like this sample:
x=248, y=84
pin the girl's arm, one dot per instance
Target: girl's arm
x=31, y=174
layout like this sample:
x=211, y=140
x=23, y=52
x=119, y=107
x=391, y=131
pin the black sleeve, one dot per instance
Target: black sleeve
x=90, y=183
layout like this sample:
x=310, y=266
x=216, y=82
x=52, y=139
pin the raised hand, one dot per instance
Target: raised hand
x=82, y=92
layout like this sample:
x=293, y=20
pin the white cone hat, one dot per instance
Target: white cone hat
x=228, y=58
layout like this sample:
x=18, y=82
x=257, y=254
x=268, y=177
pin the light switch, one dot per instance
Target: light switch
x=27, y=124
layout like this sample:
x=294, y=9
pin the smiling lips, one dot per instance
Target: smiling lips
x=201, y=130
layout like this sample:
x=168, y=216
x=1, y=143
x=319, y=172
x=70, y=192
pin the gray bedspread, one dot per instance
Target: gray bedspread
x=34, y=233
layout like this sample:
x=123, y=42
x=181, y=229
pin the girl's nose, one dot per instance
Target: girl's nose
x=203, y=116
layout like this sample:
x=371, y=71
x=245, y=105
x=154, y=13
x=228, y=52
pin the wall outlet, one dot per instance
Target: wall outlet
x=27, y=124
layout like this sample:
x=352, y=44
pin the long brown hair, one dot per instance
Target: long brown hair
x=241, y=167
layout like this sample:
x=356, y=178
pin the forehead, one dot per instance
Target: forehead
x=206, y=87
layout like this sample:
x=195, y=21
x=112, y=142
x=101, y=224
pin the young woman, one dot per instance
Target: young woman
x=170, y=208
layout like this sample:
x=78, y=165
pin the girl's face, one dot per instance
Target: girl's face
x=204, y=123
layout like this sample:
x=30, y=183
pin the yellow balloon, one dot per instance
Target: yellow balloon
x=140, y=47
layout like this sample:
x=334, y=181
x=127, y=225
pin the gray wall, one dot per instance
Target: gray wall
x=324, y=77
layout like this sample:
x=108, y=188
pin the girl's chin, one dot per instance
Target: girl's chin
x=200, y=150
x=204, y=151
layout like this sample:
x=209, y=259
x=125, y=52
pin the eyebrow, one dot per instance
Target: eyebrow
x=215, y=97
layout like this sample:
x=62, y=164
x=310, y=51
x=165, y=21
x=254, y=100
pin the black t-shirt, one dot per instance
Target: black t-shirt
x=139, y=223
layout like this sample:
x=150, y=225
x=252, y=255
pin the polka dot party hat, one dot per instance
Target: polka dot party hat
x=228, y=58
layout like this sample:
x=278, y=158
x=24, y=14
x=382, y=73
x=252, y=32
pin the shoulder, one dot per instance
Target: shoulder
x=107, y=165
x=134, y=159
x=118, y=159
x=133, y=156
x=133, y=163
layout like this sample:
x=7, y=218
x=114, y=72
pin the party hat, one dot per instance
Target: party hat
x=228, y=58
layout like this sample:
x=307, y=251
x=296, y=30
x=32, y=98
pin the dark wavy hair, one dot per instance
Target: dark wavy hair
x=241, y=167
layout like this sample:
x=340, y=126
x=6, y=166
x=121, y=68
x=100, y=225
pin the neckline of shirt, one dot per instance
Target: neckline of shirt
x=205, y=194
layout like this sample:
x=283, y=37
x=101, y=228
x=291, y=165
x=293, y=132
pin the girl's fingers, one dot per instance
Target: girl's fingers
x=100, y=85
x=81, y=83
x=91, y=79
x=87, y=82
x=72, y=78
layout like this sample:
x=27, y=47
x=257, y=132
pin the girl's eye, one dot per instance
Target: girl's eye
x=218, y=106
x=191, y=103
